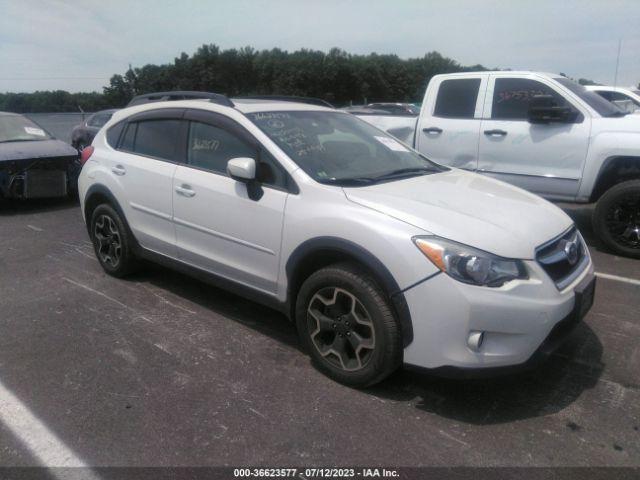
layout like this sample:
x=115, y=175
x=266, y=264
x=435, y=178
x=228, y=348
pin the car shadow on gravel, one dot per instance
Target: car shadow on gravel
x=549, y=388
x=264, y=320
x=10, y=207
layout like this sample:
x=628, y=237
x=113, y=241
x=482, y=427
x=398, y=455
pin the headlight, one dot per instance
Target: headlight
x=470, y=265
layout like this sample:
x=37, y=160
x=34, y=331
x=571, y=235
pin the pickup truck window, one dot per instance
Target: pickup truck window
x=338, y=148
x=457, y=98
x=511, y=97
x=595, y=101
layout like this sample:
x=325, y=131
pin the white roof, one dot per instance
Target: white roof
x=504, y=72
x=240, y=105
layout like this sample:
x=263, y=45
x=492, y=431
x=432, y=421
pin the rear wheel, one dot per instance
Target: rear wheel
x=346, y=323
x=616, y=219
x=112, y=242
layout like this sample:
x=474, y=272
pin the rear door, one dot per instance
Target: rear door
x=544, y=158
x=449, y=124
x=148, y=153
x=225, y=226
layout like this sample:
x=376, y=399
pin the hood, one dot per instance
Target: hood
x=36, y=149
x=630, y=123
x=468, y=208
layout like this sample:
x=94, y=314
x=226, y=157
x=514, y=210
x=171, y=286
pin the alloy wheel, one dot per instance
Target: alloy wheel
x=623, y=221
x=108, y=241
x=341, y=329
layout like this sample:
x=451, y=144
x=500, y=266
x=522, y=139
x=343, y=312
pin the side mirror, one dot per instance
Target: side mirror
x=544, y=109
x=242, y=169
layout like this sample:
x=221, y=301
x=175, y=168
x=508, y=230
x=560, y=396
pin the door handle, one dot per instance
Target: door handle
x=185, y=191
x=118, y=170
x=495, y=133
x=432, y=130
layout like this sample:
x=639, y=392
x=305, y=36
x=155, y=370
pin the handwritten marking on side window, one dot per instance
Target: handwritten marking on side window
x=200, y=144
x=518, y=95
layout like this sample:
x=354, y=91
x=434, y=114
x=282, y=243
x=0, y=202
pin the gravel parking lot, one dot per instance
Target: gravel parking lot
x=164, y=370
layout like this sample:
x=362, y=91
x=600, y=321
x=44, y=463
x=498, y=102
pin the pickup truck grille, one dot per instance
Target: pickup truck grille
x=563, y=258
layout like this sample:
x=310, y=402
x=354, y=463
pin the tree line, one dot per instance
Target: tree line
x=336, y=76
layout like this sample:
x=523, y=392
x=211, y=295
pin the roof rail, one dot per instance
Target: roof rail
x=180, y=95
x=290, y=98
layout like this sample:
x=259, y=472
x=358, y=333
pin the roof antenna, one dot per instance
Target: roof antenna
x=615, y=79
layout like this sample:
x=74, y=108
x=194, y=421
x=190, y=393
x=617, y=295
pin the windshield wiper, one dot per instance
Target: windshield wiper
x=405, y=172
x=347, y=181
x=618, y=114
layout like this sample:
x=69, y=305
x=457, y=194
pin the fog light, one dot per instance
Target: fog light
x=474, y=340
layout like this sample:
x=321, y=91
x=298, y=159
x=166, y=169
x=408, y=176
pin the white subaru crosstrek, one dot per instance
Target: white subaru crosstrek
x=379, y=255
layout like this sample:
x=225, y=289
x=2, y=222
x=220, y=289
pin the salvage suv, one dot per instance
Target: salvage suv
x=378, y=254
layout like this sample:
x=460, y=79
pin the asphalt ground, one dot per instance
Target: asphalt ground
x=163, y=370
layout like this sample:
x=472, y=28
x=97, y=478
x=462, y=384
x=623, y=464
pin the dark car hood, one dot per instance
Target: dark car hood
x=36, y=149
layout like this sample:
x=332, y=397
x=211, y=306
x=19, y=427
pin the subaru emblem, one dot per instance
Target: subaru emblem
x=571, y=252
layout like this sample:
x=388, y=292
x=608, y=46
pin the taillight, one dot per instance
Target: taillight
x=86, y=154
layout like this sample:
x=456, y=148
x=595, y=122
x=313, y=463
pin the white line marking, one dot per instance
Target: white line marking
x=41, y=442
x=616, y=278
x=34, y=228
x=104, y=295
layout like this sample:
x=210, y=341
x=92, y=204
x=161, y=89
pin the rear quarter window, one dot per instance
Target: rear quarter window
x=113, y=134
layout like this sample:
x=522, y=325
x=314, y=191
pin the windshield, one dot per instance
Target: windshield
x=339, y=148
x=16, y=128
x=595, y=101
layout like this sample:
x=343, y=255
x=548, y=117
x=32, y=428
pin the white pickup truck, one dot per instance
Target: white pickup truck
x=539, y=131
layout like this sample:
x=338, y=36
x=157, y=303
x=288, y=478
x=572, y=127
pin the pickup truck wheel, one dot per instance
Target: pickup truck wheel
x=111, y=242
x=616, y=219
x=347, y=325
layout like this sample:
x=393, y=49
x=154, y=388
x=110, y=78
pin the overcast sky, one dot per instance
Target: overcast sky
x=77, y=45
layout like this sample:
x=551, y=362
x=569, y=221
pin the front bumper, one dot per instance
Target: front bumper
x=522, y=322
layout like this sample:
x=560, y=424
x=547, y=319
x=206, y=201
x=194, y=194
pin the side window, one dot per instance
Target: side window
x=157, y=138
x=113, y=134
x=211, y=148
x=129, y=137
x=511, y=97
x=457, y=98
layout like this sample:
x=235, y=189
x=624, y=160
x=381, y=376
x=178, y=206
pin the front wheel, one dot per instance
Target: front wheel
x=345, y=321
x=616, y=219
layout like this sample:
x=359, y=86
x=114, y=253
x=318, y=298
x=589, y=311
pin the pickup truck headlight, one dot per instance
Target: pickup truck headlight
x=470, y=265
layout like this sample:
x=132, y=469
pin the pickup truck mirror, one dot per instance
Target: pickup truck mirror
x=544, y=109
x=242, y=169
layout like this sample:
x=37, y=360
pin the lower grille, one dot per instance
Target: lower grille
x=45, y=183
x=563, y=258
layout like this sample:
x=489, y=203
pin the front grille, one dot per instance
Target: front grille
x=563, y=258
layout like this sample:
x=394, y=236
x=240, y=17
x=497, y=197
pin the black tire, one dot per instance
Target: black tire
x=373, y=328
x=616, y=218
x=112, y=242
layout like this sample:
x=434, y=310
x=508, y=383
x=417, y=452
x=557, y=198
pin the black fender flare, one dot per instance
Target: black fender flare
x=360, y=254
x=103, y=191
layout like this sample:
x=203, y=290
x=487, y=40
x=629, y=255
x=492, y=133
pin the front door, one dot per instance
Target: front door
x=224, y=226
x=544, y=158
